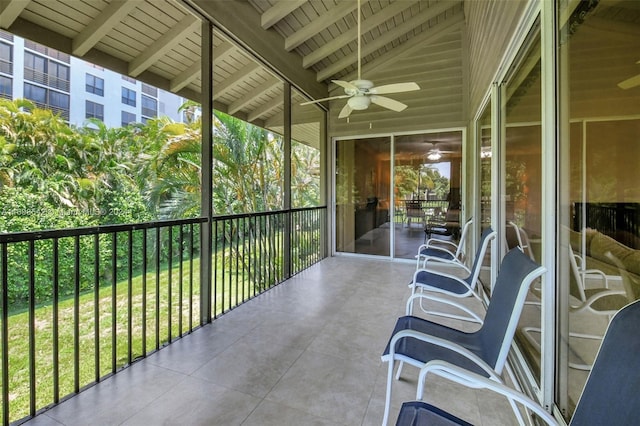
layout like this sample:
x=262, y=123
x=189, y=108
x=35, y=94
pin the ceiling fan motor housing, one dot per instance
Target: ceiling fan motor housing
x=359, y=102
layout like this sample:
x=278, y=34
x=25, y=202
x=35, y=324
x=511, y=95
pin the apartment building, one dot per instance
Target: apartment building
x=49, y=77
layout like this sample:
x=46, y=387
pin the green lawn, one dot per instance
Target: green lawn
x=230, y=291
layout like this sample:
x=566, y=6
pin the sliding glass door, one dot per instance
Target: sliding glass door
x=427, y=188
x=427, y=174
x=362, y=182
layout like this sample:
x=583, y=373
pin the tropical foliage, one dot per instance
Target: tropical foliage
x=56, y=176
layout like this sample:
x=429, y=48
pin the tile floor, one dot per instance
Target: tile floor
x=305, y=353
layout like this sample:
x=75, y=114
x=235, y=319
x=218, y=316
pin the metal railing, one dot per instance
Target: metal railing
x=79, y=305
x=620, y=221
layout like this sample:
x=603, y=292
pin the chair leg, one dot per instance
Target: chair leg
x=387, y=400
x=400, y=365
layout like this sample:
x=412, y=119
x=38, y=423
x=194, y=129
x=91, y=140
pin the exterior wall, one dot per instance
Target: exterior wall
x=490, y=26
x=168, y=103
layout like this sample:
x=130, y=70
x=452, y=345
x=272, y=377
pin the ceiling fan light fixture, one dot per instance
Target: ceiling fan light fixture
x=359, y=102
x=434, y=156
x=485, y=152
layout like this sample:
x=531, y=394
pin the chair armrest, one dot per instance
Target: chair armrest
x=438, y=242
x=440, y=273
x=475, y=381
x=473, y=317
x=590, y=273
x=443, y=343
x=454, y=262
x=600, y=295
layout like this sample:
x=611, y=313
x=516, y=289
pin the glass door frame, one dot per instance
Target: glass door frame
x=465, y=194
x=544, y=14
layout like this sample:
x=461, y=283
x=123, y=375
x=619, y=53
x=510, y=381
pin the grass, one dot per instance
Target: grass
x=88, y=369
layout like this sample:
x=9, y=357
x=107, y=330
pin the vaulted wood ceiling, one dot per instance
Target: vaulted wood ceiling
x=311, y=42
x=158, y=41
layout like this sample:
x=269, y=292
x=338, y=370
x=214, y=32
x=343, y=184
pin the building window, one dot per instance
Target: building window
x=95, y=85
x=5, y=35
x=46, y=98
x=128, y=96
x=46, y=71
x=35, y=93
x=6, y=58
x=149, y=90
x=149, y=107
x=62, y=57
x=128, y=118
x=94, y=110
x=6, y=88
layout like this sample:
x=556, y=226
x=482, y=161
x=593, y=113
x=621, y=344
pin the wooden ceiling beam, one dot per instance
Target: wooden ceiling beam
x=264, y=108
x=234, y=79
x=240, y=21
x=422, y=40
x=165, y=43
x=113, y=14
x=386, y=38
x=10, y=10
x=278, y=11
x=320, y=23
x=352, y=34
x=262, y=88
x=193, y=72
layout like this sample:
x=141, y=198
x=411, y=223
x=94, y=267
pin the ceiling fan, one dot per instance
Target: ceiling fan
x=362, y=93
x=630, y=82
x=436, y=153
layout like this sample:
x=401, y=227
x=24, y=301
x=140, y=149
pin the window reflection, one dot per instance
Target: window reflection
x=523, y=182
x=600, y=245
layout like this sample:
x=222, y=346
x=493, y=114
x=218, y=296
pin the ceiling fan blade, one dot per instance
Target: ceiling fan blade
x=388, y=103
x=394, y=88
x=346, y=85
x=345, y=112
x=630, y=82
x=325, y=99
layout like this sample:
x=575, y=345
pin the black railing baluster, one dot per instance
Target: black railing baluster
x=237, y=255
x=32, y=330
x=215, y=273
x=191, y=234
x=157, y=310
x=114, y=301
x=96, y=306
x=55, y=329
x=129, y=299
x=244, y=244
x=224, y=264
x=144, y=291
x=5, y=336
x=180, y=271
x=76, y=314
x=169, y=284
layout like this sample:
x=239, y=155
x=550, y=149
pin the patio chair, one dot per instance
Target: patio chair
x=413, y=211
x=609, y=396
x=446, y=229
x=522, y=239
x=600, y=301
x=417, y=341
x=443, y=250
x=451, y=285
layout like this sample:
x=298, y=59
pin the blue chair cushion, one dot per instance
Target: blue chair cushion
x=434, y=252
x=424, y=352
x=418, y=413
x=442, y=282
